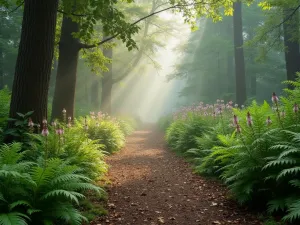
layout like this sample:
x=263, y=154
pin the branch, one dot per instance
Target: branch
x=15, y=9
x=75, y=14
x=287, y=18
x=87, y=46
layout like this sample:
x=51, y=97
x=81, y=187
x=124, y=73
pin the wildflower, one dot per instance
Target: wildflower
x=296, y=108
x=222, y=101
x=220, y=110
x=268, y=121
x=54, y=124
x=242, y=106
x=238, y=129
x=214, y=114
x=30, y=123
x=45, y=131
x=275, y=99
x=218, y=100
x=236, y=105
x=45, y=121
x=249, y=120
x=60, y=131
x=64, y=111
x=235, y=120
x=230, y=102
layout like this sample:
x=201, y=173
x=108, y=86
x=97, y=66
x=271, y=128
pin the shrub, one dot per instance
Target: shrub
x=106, y=131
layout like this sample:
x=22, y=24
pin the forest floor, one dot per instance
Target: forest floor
x=151, y=185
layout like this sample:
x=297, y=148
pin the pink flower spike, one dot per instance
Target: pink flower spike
x=249, y=120
x=30, y=123
x=54, y=124
x=275, y=99
x=296, y=108
x=268, y=121
x=238, y=129
x=235, y=120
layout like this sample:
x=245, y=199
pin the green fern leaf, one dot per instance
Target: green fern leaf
x=19, y=203
x=285, y=172
x=13, y=218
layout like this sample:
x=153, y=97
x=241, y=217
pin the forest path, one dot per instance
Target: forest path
x=151, y=185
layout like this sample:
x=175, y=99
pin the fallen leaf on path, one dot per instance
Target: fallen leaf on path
x=160, y=219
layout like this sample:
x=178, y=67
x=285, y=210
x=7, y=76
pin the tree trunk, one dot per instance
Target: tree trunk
x=292, y=51
x=95, y=101
x=64, y=94
x=34, y=61
x=107, y=84
x=240, y=76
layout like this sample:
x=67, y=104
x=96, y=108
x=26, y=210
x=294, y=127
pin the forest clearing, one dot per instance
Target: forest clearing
x=149, y=112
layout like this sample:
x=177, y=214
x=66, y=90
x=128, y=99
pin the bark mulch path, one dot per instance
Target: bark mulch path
x=151, y=185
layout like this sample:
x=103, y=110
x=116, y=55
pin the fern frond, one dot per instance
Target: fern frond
x=19, y=203
x=13, y=218
x=278, y=162
x=293, y=212
x=285, y=172
x=276, y=205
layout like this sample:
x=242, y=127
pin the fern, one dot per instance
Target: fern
x=13, y=218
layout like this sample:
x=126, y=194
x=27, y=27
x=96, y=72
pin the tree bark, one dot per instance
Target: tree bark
x=34, y=61
x=292, y=51
x=64, y=94
x=240, y=76
x=107, y=84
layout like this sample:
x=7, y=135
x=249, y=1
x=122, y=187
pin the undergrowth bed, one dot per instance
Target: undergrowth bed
x=50, y=174
x=254, y=150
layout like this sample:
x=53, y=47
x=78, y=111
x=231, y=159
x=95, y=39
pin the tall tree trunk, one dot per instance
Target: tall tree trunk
x=240, y=77
x=64, y=94
x=107, y=84
x=292, y=51
x=34, y=61
x=95, y=100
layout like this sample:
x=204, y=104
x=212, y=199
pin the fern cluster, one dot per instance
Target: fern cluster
x=256, y=153
x=39, y=192
x=43, y=178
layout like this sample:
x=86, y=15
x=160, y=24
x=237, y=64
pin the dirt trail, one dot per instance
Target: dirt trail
x=150, y=185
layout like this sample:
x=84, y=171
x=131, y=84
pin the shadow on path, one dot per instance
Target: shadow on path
x=150, y=185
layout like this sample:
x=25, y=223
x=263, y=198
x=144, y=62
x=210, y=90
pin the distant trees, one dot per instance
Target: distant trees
x=291, y=43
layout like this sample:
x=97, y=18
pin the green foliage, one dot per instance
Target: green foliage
x=258, y=160
x=127, y=125
x=106, y=131
x=4, y=106
x=75, y=148
x=181, y=135
x=40, y=192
